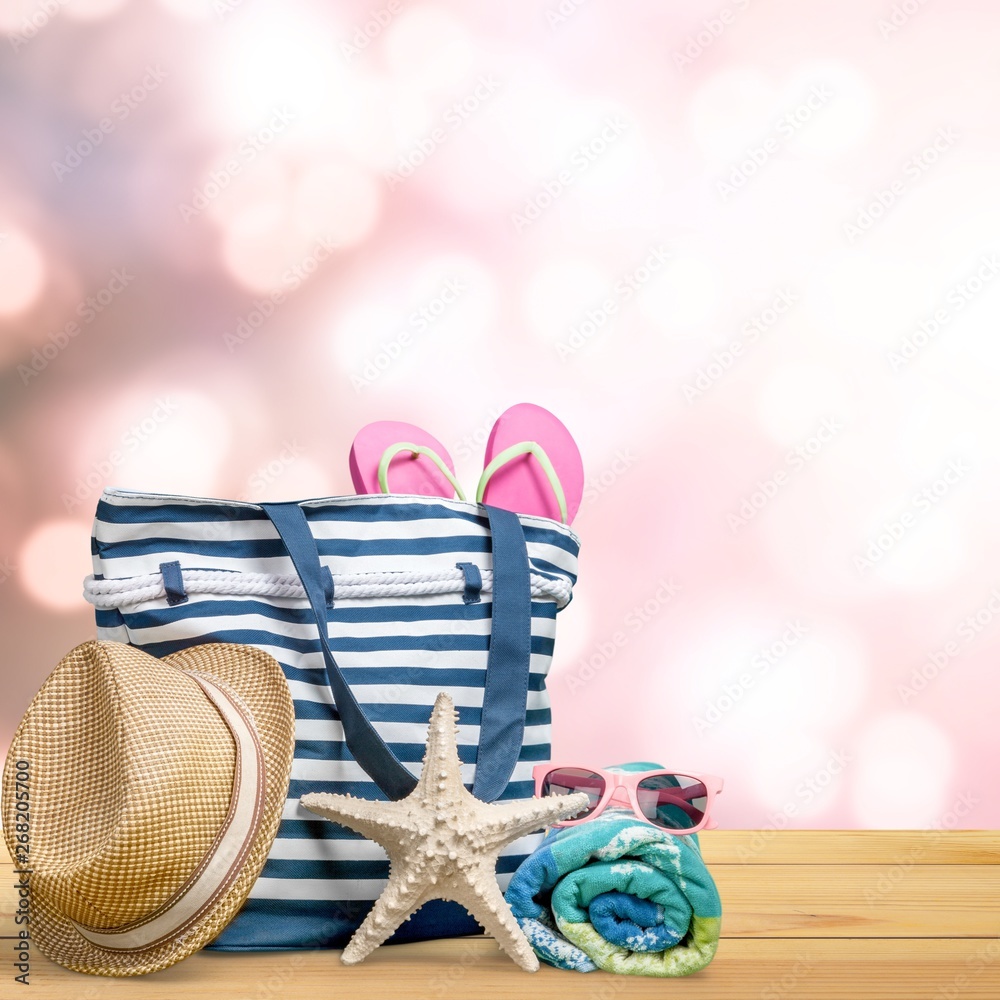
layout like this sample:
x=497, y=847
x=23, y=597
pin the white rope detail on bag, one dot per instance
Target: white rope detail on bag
x=107, y=595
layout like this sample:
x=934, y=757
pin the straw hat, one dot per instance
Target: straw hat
x=154, y=789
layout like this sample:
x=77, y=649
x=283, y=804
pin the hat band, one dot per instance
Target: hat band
x=224, y=859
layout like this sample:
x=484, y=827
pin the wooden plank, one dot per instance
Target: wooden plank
x=859, y=901
x=797, y=901
x=742, y=970
x=851, y=847
x=884, y=926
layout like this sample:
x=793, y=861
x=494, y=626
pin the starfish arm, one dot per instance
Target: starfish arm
x=378, y=821
x=398, y=901
x=506, y=821
x=481, y=896
x=441, y=756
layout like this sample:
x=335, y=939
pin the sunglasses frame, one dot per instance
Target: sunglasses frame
x=629, y=780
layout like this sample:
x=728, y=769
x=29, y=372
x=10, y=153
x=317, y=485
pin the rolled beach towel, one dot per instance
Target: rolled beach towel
x=620, y=895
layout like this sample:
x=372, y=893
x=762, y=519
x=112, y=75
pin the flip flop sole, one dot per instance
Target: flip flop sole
x=522, y=485
x=406, y=474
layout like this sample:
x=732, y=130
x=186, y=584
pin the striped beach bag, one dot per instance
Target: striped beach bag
x=372, y=605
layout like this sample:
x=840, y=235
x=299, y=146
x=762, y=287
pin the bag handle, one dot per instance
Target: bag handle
x=505, y=699
x=368, y=748
x=506, y=693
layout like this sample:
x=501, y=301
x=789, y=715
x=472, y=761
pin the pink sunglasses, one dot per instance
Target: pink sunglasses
x=677, y=803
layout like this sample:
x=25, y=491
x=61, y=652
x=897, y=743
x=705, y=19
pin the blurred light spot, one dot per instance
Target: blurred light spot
x=933, y=554
x=454, y=295
x=538, y=121
x=730, y=110
x=260, y=247
x=686, y=292
x=716, y=647
x=767, y=674
x=366, y=328
x=845, y=119
x=407, y=329
x=15, y=15
x=608, y=158
x=281, y=60
x=825, y=107
x=194, y=10
x=937, y=419
x=559, y=294
x=794, y=774
x=265, y=181
x=386, y=117
x=428, y=48
x=91, y=10
x=797, y=398
x=486, y=193
x=813, y=688
x=185, y=453
x=172, y=441
x=337, y=201
x=52, y=563
x=901, y=773
x=22, y=271
x=889, y=294
x=286, y=475
x=964, y=213
x=821, y=561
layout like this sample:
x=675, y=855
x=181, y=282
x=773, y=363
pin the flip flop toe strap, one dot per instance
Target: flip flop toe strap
x=414, y=449
x=516, y=451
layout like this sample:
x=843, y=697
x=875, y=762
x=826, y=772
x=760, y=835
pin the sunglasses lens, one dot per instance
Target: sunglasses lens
x=673, y=801
x=567, y=780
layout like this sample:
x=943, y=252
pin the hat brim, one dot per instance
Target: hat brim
x=260, y=686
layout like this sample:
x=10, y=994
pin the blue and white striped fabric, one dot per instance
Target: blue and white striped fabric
x=406, y=622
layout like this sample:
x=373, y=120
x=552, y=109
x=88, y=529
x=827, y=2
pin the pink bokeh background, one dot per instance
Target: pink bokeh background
x=746, y=251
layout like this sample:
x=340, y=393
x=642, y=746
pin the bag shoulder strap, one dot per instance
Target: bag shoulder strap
x=368, y=748
x=507, y=668
x=505, y=699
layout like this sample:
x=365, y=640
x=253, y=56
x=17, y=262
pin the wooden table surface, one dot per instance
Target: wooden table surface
x=831, y=914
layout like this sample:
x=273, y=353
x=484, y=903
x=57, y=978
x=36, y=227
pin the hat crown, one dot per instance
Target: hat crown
x=122, y=748
x=156, y=790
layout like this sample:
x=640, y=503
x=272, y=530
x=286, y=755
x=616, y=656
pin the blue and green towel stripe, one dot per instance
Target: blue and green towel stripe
x=620, y=895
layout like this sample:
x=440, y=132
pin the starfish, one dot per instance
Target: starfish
x=442, y=843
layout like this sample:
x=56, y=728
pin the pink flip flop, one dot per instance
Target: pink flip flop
x=415, y=461
x=533, y=465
